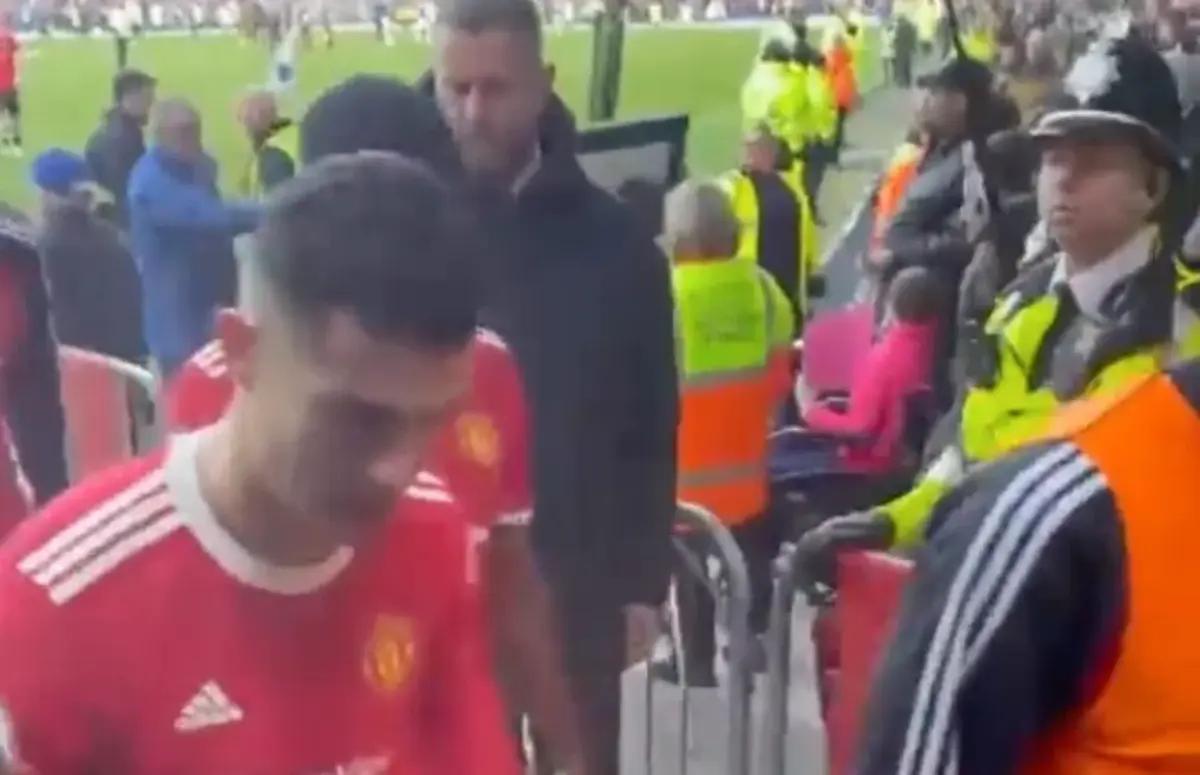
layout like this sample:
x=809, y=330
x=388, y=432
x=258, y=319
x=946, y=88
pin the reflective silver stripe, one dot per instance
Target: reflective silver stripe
x=711, y=379
x=718, y=475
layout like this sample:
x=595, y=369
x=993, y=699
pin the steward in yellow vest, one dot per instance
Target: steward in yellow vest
x=1101, y=313
x=733, y=334
x=733, y=339
x=274, y=145
x=775, y=219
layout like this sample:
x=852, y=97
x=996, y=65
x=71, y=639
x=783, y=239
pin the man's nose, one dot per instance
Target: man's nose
x=473, y=106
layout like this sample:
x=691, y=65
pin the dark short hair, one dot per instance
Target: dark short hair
x=916, y=295
x=476, y=16
x=129, y=82
x=376, y=235
x=776, y=51
x=377, y=113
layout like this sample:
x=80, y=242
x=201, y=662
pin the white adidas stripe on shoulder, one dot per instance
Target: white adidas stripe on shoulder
x=149, y=485
x=104, y=563
x=103, y=538
x=427, y=478
x=489, y=337
x=210, y=359
x=1011, y=538
x=429, y=494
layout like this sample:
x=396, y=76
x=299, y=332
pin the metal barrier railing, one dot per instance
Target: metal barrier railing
x=779, y=665
x=697, y=521
x=110, y=407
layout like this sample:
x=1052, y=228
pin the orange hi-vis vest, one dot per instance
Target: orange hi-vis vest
x=901, y=171
x=1146, y=719
x=732, y=324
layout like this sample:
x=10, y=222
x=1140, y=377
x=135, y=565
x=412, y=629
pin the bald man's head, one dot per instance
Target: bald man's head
x=177, y=128
x=258, y=112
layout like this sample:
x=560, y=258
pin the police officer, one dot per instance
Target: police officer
x=734, y=332
x=820, y=116
x=1099, y=313
x=773, y=96
x=274, y=143
x=775, y=218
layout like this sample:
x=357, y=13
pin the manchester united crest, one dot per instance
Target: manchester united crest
x=478, y=438
x=390, y=654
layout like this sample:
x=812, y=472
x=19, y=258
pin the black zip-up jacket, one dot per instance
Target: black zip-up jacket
x=96, y=295
x=582, y=295
x=30, y=393
x=112, y=150
x=925, y=230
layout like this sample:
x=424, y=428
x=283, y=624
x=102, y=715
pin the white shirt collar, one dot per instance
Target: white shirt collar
x=183, y=482
x=1091, y=286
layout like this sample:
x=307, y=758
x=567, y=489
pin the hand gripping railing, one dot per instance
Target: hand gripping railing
x=692, y=520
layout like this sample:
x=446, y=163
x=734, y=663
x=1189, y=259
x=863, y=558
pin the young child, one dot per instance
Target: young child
x=866, y=436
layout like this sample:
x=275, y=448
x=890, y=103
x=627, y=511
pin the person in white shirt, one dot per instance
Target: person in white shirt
x=122, y=29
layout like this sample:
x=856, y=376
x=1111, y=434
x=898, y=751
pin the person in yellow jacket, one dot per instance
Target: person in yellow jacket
x=928, y=17
x=775, y=219
x=733, y=339
x=1097, y=314
x=274, y=144
x=820, y=116
x=772, y=96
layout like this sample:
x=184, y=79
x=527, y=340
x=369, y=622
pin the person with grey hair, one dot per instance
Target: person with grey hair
x=182, y=235
x=733, y=335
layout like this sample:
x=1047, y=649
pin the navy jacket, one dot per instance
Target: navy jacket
x=183, y=244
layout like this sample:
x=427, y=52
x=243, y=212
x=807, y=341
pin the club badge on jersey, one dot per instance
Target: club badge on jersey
x=390, y=654
x=479, y=439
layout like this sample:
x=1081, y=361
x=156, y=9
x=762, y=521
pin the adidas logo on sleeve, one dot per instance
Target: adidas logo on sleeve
x=210, y=707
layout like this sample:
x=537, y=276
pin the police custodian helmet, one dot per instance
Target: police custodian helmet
x=1122, y=88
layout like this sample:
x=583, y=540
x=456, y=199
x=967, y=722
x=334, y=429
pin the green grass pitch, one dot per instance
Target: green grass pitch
x=65, y=85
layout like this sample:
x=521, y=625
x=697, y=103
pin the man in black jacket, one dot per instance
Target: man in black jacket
x=95, y=292
x=115, y=147
x=927, y=229
x=29, y=394
x=582, y=295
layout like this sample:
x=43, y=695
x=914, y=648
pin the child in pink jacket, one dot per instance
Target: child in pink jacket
x=867, y=434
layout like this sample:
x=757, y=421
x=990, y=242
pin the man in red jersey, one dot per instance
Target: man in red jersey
x=482, y=453
x=10, y=101
x=281, y=592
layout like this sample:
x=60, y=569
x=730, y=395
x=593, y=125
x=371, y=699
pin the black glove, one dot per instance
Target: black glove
x=817, y=550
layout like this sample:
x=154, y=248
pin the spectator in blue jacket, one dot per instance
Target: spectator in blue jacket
x=182, y=236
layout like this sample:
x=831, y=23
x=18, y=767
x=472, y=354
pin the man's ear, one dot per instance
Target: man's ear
x=239, y=339
x=1161, y=184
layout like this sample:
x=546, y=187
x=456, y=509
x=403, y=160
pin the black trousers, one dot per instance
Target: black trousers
x=839, y=135
x=902, y=68
x=815, y=163
x=122, y=52
x=759, y=539
x=594, y=651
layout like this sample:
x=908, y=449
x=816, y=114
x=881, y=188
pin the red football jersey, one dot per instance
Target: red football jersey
x=140, y=637
x=9, y=47
x=483, y=453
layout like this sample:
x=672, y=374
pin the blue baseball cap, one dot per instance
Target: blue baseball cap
x=58, y=171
